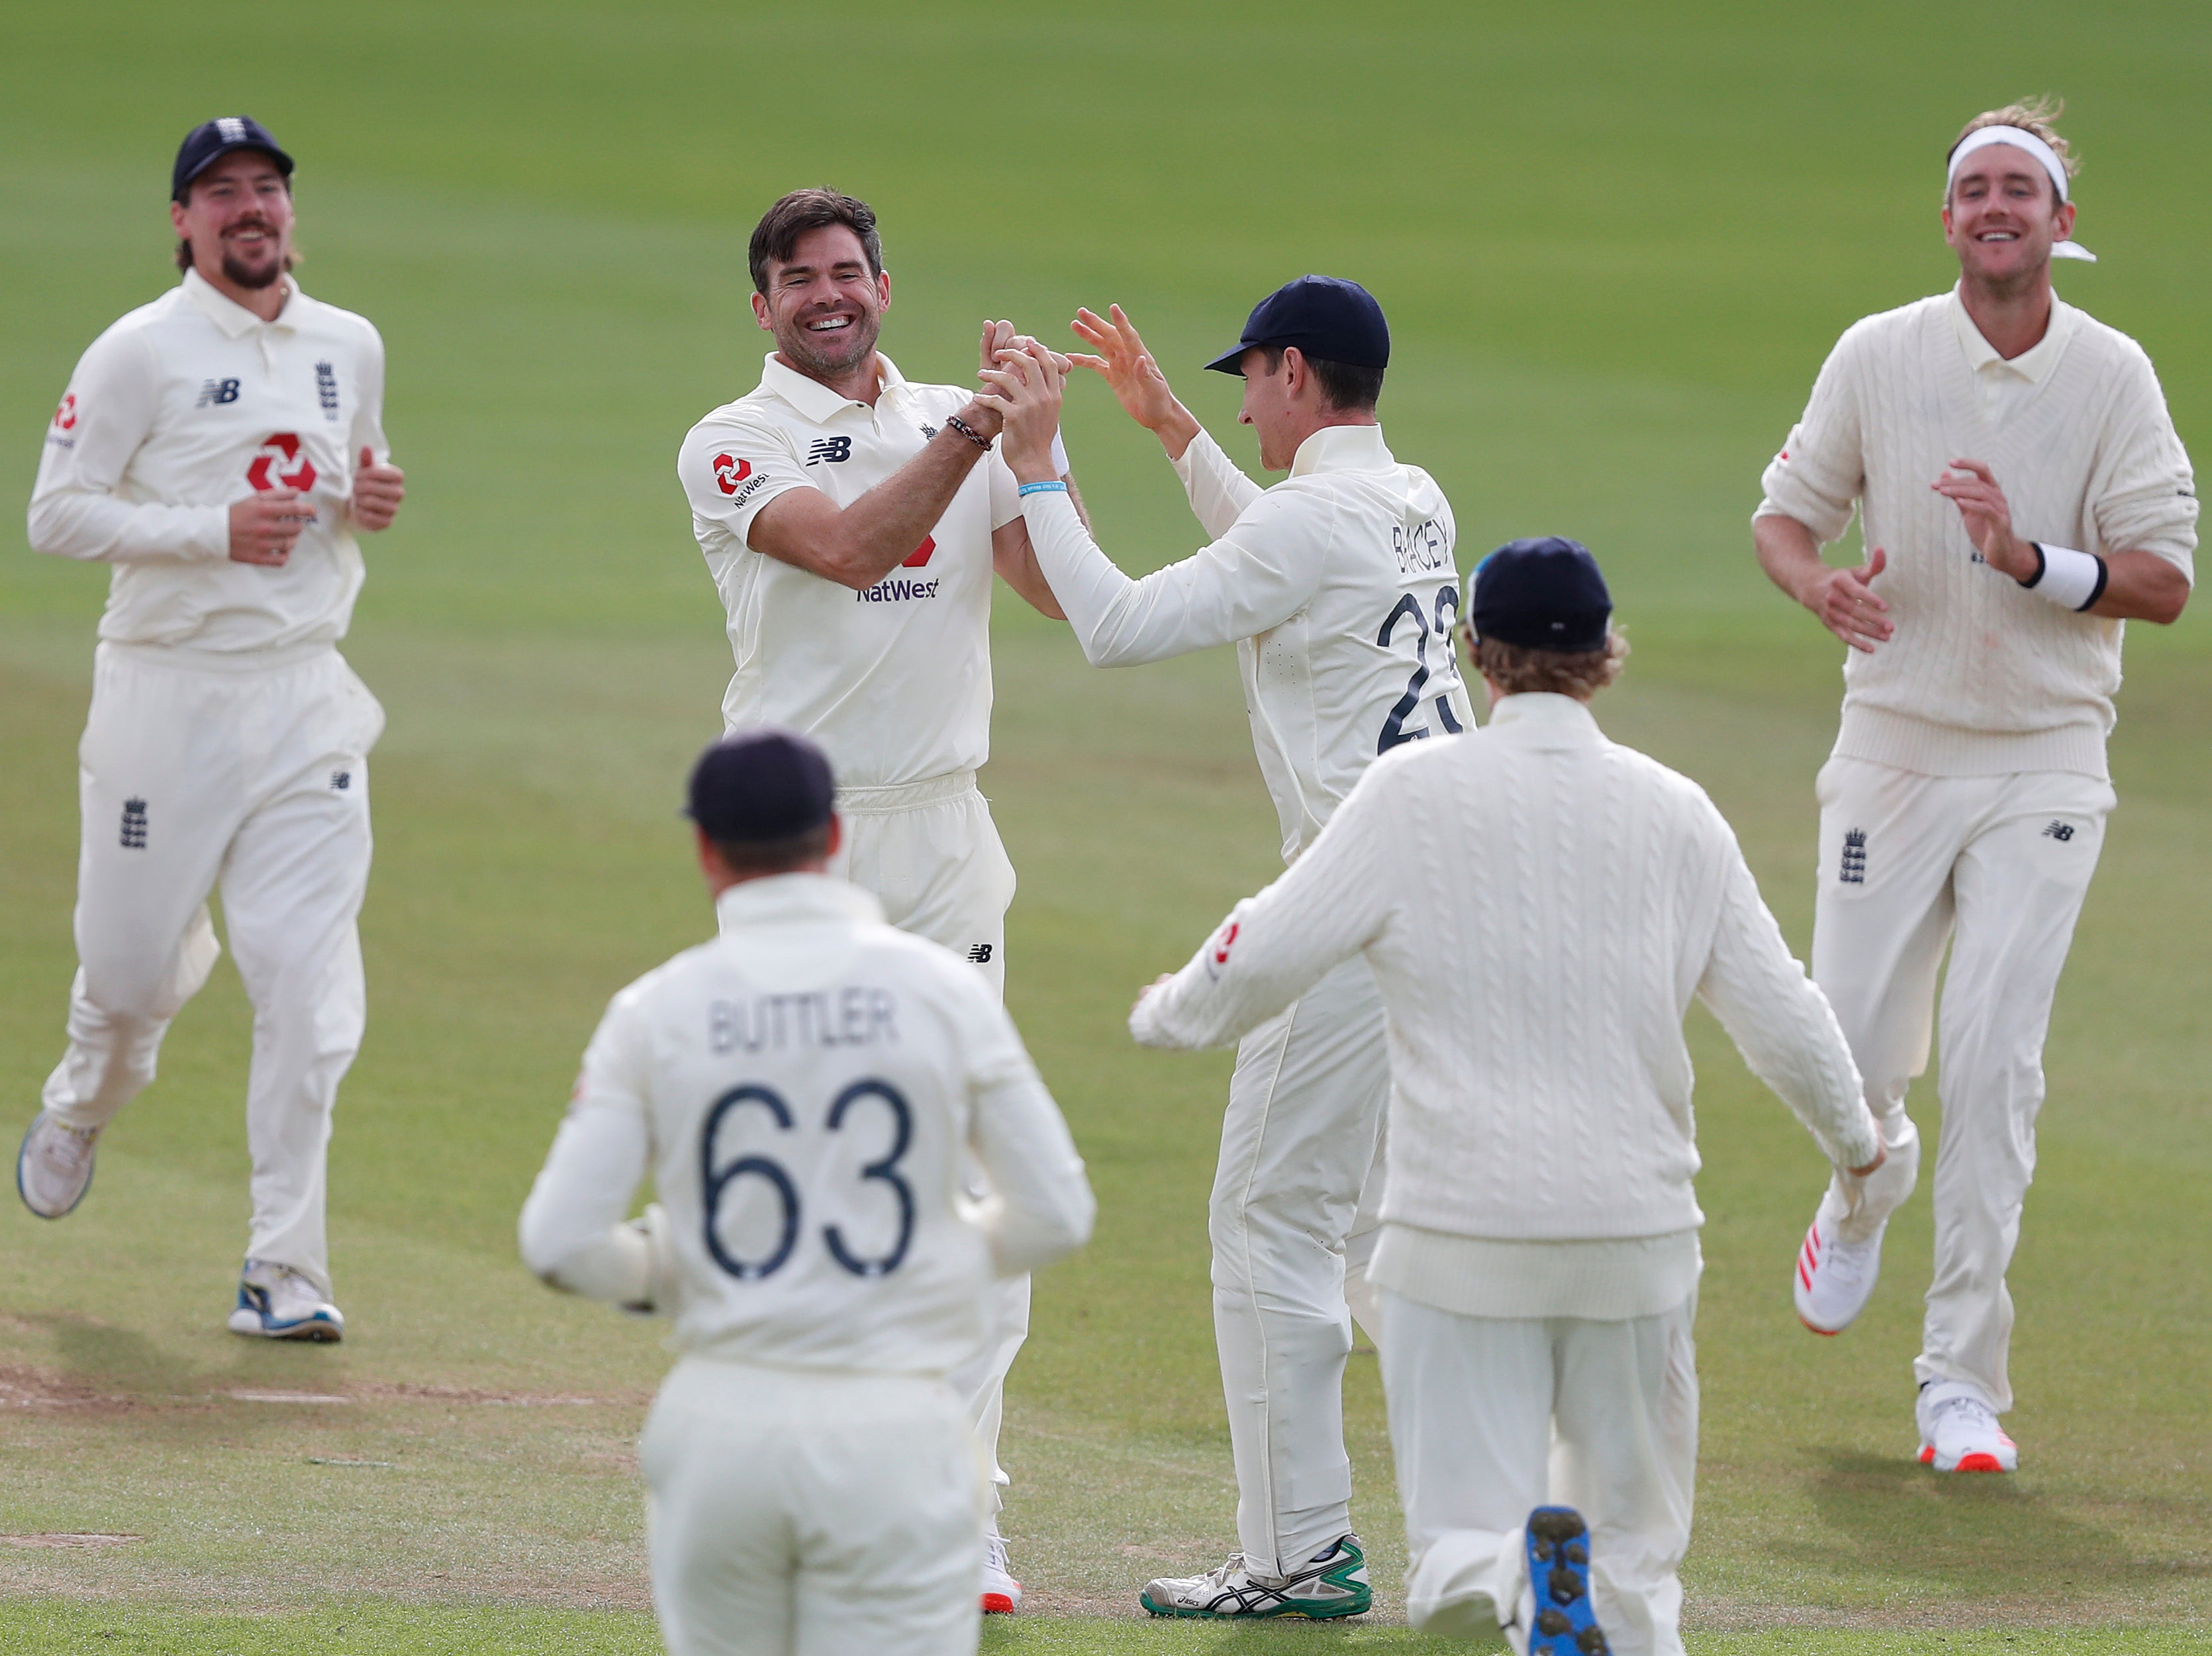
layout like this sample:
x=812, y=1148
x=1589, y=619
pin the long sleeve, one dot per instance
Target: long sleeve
x=1043, y=1207
x=1262, y=572
x=1781, y=1022
x=573, y=1232
x=368, y=406
x=107, y=414
x=1327, y=906
x=2143, y=493
x=1220, y=492
x=1817, y=476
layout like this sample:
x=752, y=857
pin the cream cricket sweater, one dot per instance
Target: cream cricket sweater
x=1982, y=677
x=1538, y=904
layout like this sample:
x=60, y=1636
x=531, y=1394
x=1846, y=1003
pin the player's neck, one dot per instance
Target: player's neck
x=266, y=302
x=863, y=384
x=2012, y=316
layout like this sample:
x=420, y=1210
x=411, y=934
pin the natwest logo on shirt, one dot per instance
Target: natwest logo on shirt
x=921, y=554
x=65, y=416
x=730, y=472
x=280, y=461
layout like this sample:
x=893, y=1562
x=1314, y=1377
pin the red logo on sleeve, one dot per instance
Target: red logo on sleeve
x=1221, y=949
x=921, y=554
x=730, y=472
x=281, y=450
x=65, y=416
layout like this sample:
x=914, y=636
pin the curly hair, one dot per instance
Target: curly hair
x=1517, y=670
x=2036, y=115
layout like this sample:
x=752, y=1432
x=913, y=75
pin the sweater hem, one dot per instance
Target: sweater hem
x=1604, y=1280
x=1905, y=743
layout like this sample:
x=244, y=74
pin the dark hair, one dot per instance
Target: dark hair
x=777, y=234
x=776, y=857
x=1343, y=385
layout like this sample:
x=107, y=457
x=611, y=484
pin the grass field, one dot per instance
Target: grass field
x=1613, y=241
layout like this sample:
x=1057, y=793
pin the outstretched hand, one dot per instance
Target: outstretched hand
x=1025, y=390
x=1134, y=377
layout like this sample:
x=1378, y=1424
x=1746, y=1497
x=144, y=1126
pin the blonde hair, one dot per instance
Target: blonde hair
x=1517, y=670
x=2036, y=115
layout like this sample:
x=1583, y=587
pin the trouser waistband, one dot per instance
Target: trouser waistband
x=906, y=795
x=184, y=658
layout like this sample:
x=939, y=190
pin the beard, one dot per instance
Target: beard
x=828, y=356
x=235, y=268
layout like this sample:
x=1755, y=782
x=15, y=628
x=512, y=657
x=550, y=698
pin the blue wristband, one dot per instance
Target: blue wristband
x=1029, y=489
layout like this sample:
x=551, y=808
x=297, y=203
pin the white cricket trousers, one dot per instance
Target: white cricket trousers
x=1300, y=1143
x=932, y=856
x=798, y=1512
x=1492, y=1418
x=250, y=771
x=1997, y=866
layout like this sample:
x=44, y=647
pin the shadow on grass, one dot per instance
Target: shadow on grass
x=1983, y=1536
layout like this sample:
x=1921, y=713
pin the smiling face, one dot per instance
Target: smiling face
x=2002, y=215
x=237, y=216
x=823, y=304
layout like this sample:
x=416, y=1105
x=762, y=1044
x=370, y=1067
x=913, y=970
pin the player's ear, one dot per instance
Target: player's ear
x=882, y=289
x=760, y=312
x=836, y=840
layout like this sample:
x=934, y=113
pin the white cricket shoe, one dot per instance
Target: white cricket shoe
x=1834, y=1278
x=53, y=1169
x=276, y=1302
x=1002, y=1594
x=1958, y=1431
x=1332, y=1583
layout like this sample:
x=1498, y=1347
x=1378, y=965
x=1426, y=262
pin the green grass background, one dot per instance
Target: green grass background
x=1615, y=242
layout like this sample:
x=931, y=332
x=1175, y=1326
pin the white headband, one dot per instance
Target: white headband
x=2019, y=138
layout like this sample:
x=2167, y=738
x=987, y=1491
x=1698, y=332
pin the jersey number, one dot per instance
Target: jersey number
x=715, y=1181
x=1394, y=726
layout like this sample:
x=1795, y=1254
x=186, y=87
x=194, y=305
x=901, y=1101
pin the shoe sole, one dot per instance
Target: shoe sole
x=310, y=1333
x=1976, y=1462
x=1566, y=1621
x=36, y=1211
x=998, y=1604
x=1297, y=1612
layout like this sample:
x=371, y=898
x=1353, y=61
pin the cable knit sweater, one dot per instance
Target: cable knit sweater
x=1982, y=677
x=1538, y=904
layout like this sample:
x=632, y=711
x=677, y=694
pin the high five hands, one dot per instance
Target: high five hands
x=1025, y=390
x=1134, y=377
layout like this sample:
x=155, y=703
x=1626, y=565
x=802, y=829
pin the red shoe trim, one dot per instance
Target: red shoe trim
x=1804, y=1276
x=1825, y=1333
x=1927, y=1454
x=1978, y=1462
x=998, y=1604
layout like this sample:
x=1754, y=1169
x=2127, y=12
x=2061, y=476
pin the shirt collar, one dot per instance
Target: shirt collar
x=233, y=318
x=2030, y=364
x=794, y=898
x=1542, y=714
x=1342, y=448
x=816, y=401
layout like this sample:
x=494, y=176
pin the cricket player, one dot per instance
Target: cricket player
x=220, y=447
x=806, y=1092
x=2023, y=495
x=1338, y=589
x=1538, y=906
x=851, y=519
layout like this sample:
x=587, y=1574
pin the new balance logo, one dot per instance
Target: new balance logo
x=340, y=781
x=1853, y=872
x=216, y=391
x=134, y=824
x=2061, y=831
x=831, y=449
x=980, y=955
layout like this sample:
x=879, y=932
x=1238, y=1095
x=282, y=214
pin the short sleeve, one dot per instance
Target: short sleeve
x=1006, y=488
x=732, y=464
x=1821, y=469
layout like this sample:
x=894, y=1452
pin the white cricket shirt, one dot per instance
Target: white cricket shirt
x=1338, y=587
x=895, y=681
x=184, y=406
x=805, y=1091
x=1982, y=677
x=1539, y=905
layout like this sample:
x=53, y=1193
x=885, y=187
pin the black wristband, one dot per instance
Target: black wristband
x=2104, y=575
x=967, y=431
x=2041, y=564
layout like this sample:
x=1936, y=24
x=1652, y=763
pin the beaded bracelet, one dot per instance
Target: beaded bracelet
x=1054, y=485
x=967, y=431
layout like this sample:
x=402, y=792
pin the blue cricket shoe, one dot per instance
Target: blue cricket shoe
x=1559, y=1572
x=276, y=1302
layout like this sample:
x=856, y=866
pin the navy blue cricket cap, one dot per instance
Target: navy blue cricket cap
x=1324, y=316
x=760, y=786
x=1543, y=593
x=211, y=141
